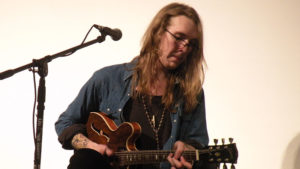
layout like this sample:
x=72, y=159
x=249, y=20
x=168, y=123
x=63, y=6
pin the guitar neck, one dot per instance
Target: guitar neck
x=125, y=158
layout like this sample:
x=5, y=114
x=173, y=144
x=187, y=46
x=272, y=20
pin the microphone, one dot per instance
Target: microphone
x=115, y=34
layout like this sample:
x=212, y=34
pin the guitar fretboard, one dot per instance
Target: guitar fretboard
x=152, y=156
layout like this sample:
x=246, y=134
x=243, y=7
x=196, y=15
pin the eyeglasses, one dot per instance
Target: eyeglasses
x=184, y=41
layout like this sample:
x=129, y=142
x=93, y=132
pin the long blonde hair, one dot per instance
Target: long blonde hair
x=185, y=81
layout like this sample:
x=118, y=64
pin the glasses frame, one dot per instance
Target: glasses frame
x=190, y=42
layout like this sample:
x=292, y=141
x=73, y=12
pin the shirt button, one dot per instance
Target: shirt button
x=174, y=121
x=120, y=110
x=128, y=94
x=108, y=109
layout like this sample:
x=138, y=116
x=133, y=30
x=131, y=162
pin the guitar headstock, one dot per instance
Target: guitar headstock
x=223, y=153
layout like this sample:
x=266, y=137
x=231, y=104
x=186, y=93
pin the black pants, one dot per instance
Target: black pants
x=88, y=159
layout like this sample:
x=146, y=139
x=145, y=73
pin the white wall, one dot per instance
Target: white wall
x=252, y=85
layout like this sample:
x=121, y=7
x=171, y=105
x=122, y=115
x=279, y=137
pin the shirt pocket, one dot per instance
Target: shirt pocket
x=110, y=105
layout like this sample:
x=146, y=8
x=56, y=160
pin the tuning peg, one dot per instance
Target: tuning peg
x=224, y=166
x=230, y=140
x=216, y=141
x=223, y=141
x=232, y=166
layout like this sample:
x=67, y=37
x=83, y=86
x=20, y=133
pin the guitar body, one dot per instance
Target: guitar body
x=103, y=130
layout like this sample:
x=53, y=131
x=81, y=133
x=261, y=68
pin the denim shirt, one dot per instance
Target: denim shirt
x=109, y=89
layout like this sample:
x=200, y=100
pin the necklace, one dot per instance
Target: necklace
x=152, y=121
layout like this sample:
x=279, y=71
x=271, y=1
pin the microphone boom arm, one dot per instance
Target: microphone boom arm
x=49, y=58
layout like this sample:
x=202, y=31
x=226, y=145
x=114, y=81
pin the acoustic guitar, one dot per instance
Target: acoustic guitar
x=102, y=130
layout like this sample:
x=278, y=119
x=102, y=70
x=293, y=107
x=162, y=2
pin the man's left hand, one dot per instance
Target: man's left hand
x=177, y=160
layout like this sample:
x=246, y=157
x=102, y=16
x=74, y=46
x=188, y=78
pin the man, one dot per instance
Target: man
x=161, y=89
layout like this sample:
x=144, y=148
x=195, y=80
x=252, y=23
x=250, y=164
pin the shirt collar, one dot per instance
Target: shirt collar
x=129, y=69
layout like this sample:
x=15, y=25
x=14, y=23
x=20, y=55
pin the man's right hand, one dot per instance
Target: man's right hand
x=80, y=141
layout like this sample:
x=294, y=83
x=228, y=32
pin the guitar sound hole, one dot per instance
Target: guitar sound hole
x=104, y=134
x=100, y=132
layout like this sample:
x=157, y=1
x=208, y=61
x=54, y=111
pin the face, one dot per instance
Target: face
x=176, y=41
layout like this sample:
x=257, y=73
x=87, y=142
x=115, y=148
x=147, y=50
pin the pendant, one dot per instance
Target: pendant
x=153, y=120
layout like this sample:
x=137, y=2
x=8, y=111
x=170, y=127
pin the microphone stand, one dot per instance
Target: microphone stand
x=42, y=65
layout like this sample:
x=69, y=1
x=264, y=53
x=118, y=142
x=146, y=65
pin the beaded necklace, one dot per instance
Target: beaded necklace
x=152, y=121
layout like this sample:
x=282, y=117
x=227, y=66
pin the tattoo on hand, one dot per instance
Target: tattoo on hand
x=79, y=141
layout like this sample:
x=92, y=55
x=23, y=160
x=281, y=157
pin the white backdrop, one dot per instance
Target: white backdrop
x=252, y=85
